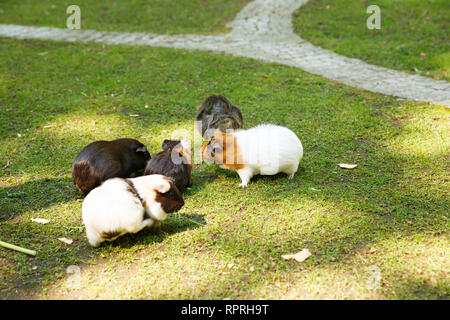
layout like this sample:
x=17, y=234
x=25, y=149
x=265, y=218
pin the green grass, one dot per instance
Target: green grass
x=155, y=16
x=61, y=96
x=413, y=35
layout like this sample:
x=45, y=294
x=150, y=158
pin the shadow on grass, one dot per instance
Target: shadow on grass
x=35, y=195
x=56, y=257
x=175, y=223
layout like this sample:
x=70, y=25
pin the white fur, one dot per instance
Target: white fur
x=267, y=150
x=110, y=207
x=186, y=144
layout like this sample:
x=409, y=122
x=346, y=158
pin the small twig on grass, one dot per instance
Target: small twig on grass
x=17, y=248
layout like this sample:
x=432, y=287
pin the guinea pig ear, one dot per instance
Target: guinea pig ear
x=165, y=144
x=141, y=149
x=163, y=186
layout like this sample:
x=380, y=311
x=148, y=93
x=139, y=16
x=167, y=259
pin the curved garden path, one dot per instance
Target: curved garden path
x=263, y=31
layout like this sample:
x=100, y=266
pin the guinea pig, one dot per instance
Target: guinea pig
x=266, y=149
x=175, y=162
x=120, y=206
x=217, y=113
x=102, y=160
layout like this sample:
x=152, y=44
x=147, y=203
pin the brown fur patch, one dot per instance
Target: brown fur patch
x=171, y=201
x=229, y=155
x=204, y=154
x=132, y=189
x=84, y=177
x=237, y=161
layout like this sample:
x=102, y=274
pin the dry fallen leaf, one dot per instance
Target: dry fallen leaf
x=347, y=166
x=66, y=240
x=299, y=256
x=372, y=250
x=40, y=220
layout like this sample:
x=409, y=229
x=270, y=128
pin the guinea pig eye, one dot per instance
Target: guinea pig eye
x=214, y=149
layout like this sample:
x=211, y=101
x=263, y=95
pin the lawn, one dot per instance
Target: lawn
x=389, y=215
x=414, y=34
x=154, y=16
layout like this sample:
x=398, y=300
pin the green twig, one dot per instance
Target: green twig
x=17, y=248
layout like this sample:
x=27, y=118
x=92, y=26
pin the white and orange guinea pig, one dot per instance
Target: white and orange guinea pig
x=120, y=206
x=266, y=149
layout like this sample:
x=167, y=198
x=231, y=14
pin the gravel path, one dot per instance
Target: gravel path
x=263, y=31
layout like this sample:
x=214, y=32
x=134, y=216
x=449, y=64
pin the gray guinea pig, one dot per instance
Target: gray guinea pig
x=102, y=160
x=218, y=113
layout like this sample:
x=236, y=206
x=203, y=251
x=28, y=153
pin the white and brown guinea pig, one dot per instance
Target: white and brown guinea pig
x=217, y=113
x=174, y=161
x=266, y=149
x=119, y=206
x=102, y=160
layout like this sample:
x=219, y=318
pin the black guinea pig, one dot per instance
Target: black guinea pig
x=102, y=160
x=217, y=113
x=175, y=162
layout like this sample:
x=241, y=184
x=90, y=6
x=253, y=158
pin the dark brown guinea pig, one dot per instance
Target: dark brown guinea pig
x=102, y=160
x=217, y=113
x=175, y=162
